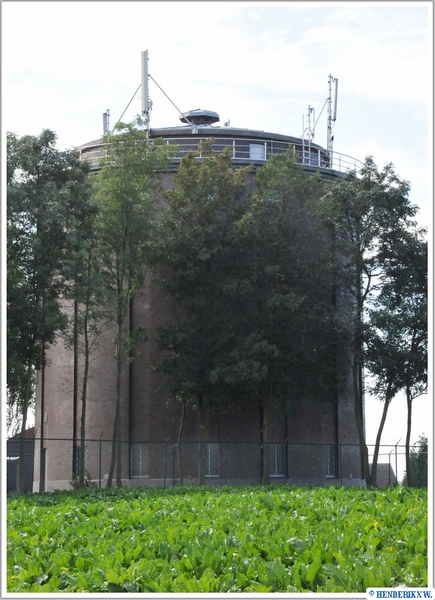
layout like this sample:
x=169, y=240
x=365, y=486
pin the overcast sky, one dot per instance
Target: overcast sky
x=259, y=65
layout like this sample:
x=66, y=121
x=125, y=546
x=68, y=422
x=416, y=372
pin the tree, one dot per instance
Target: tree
x=48, y=202
x=383, y=360
x=198, y=262
x=290, y=343
x=416, y=468
x=85, y=327
x=249, y=322
x=396, y=345
x=365, y=214
x=407, y=296
x=127, y=193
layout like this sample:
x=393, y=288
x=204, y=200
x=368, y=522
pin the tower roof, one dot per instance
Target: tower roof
x=199, y=117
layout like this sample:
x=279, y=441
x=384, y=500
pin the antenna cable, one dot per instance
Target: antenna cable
x=132, y=98
x=173, y=104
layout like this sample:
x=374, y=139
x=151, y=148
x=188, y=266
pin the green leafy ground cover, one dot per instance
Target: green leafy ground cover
x=245, y=539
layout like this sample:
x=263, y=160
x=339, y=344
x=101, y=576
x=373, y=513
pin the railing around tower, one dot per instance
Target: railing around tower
x=245, y=151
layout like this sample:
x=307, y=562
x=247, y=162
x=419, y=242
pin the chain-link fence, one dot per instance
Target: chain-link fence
x=13, y=465
x=56, y=465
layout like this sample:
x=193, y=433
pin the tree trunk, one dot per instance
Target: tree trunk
x=357, y=383
x=116, y=440
x=87, y=358
x=409, y=475
x=180, y=431
x=21, y=460
x=357, y=401
x=113, y=456
x=388, y=398
x=204, y=420
x=266, y=432
x=42, y=452
x=118, y=405
x=84, y=400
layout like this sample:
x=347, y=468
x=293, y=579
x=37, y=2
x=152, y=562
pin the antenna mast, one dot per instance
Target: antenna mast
x=106, y=122
x=332, y=116
x=308, y=134
x=146, y=102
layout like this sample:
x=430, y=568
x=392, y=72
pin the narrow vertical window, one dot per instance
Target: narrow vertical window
x=277, y=460
x=139, y=460
x=213, y=460
x=78, y=452
x=331, y=461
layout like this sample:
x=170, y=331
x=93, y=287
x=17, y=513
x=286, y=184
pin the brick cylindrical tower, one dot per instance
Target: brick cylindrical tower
x=307, y=448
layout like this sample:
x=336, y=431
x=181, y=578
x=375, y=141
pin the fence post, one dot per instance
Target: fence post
x=339, y=463
x=174, y=458
x=99, y=466
x=225, y=461
x=389, y=468
x=166, y=456
x=396, y=456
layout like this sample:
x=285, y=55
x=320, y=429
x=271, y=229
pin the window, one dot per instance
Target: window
x=139, y=460
x=78, y=452
x=277, y=460
x=213, y=460
x=256, y=151
x=331, y=461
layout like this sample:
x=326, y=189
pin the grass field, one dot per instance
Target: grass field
x=192, y=539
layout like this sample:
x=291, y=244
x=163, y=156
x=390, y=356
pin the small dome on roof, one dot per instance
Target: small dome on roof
x=199, y=117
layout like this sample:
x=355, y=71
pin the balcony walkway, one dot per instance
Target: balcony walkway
x=245, y=151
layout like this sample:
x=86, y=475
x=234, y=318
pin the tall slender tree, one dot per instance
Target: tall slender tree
x=364, y=214
x=396, y=345
x=48, y=203
x=128, y=195
x=85, y=328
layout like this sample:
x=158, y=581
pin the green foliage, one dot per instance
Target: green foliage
x=199, y=260
x=370, y=217
x=292, y=284
x=395, y=349
x=48, y=203
x=396, y=346
x=208, y=540
x=288, y=342
x=242, y=268
x=48, y=210
x=127, y=192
